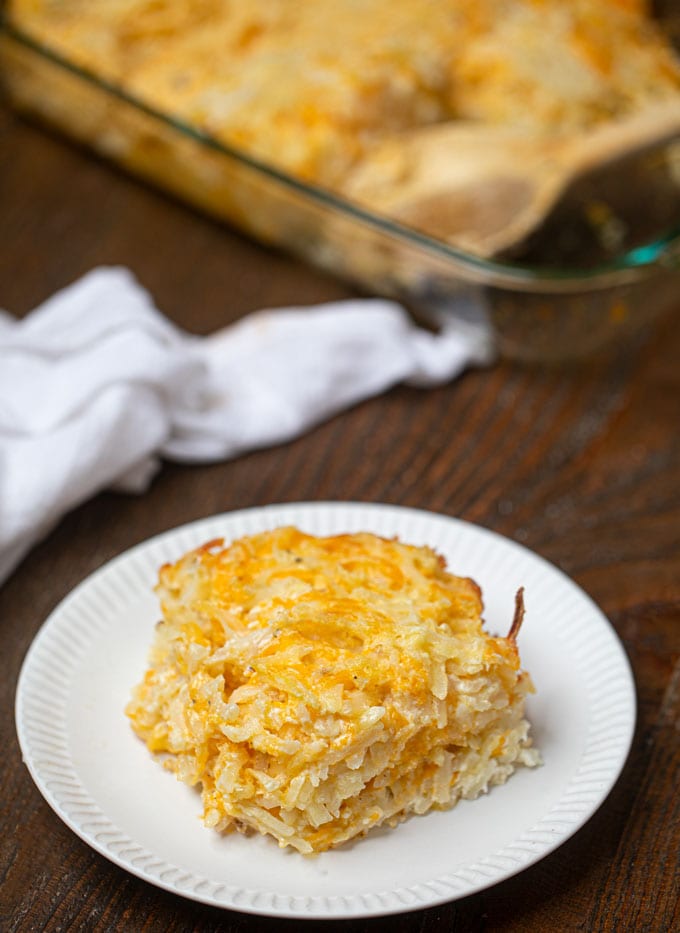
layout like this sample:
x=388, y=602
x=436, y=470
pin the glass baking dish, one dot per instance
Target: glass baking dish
x=532, y=312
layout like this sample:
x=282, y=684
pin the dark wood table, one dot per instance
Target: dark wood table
x=581, y=465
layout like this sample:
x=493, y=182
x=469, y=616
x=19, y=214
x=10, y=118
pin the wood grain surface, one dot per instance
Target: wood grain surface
x=581, y=464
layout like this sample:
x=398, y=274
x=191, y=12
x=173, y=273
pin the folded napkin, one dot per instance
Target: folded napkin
x=96, y=386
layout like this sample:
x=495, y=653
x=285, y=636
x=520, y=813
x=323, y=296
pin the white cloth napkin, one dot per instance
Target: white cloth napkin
x=96, y=386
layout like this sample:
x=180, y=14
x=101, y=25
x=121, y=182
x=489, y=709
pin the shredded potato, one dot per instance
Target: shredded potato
x=318, y=687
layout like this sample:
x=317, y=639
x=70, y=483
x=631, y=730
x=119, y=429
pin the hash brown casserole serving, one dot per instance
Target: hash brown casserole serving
x=316, y=687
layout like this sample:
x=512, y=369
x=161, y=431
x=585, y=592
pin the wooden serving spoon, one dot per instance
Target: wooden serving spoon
x=485, y=188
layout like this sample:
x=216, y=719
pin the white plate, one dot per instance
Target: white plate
x=103, y=783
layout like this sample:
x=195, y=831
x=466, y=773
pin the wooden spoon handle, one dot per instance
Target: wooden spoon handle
x=619, y=139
